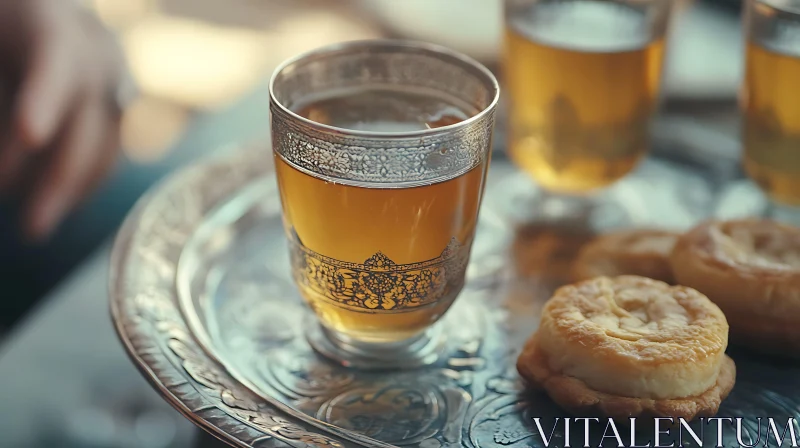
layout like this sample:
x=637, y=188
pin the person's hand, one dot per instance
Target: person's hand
x=59, y=134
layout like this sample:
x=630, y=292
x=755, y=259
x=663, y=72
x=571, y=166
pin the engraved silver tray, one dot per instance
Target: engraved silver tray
x=202, y=299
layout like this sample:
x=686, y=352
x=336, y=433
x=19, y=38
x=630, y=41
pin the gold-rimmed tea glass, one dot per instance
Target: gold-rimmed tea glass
x=381, y=151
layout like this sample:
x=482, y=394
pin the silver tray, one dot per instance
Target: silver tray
x=202, y=299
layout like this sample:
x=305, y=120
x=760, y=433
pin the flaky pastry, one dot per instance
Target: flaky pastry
x=640, y=252
x=751, y=269
x=630, y=346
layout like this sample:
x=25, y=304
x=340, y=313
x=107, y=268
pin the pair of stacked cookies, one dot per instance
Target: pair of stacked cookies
x=644, y=329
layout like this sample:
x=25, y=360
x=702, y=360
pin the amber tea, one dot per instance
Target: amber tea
x=771, y=104
x=583, y=79
x=380, y=264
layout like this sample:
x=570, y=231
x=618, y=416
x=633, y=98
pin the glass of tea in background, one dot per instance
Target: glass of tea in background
x=582, y=80
x=381, y=152
x=771, y=101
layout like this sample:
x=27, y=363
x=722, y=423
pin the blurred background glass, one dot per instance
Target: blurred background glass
x=202, y=67
x=582, y=80
x=771, y=99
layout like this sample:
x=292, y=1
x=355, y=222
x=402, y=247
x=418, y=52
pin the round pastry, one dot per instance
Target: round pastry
x=631, y=346
x=751, y=270
x=631, y=252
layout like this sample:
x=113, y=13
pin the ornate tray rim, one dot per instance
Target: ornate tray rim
x=174, y=362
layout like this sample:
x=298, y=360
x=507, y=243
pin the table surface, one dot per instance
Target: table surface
x=64, y=366
x=64, y=371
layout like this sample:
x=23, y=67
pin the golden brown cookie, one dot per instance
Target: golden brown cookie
x=751, y=269
x=642, y=252
x=631, y=346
